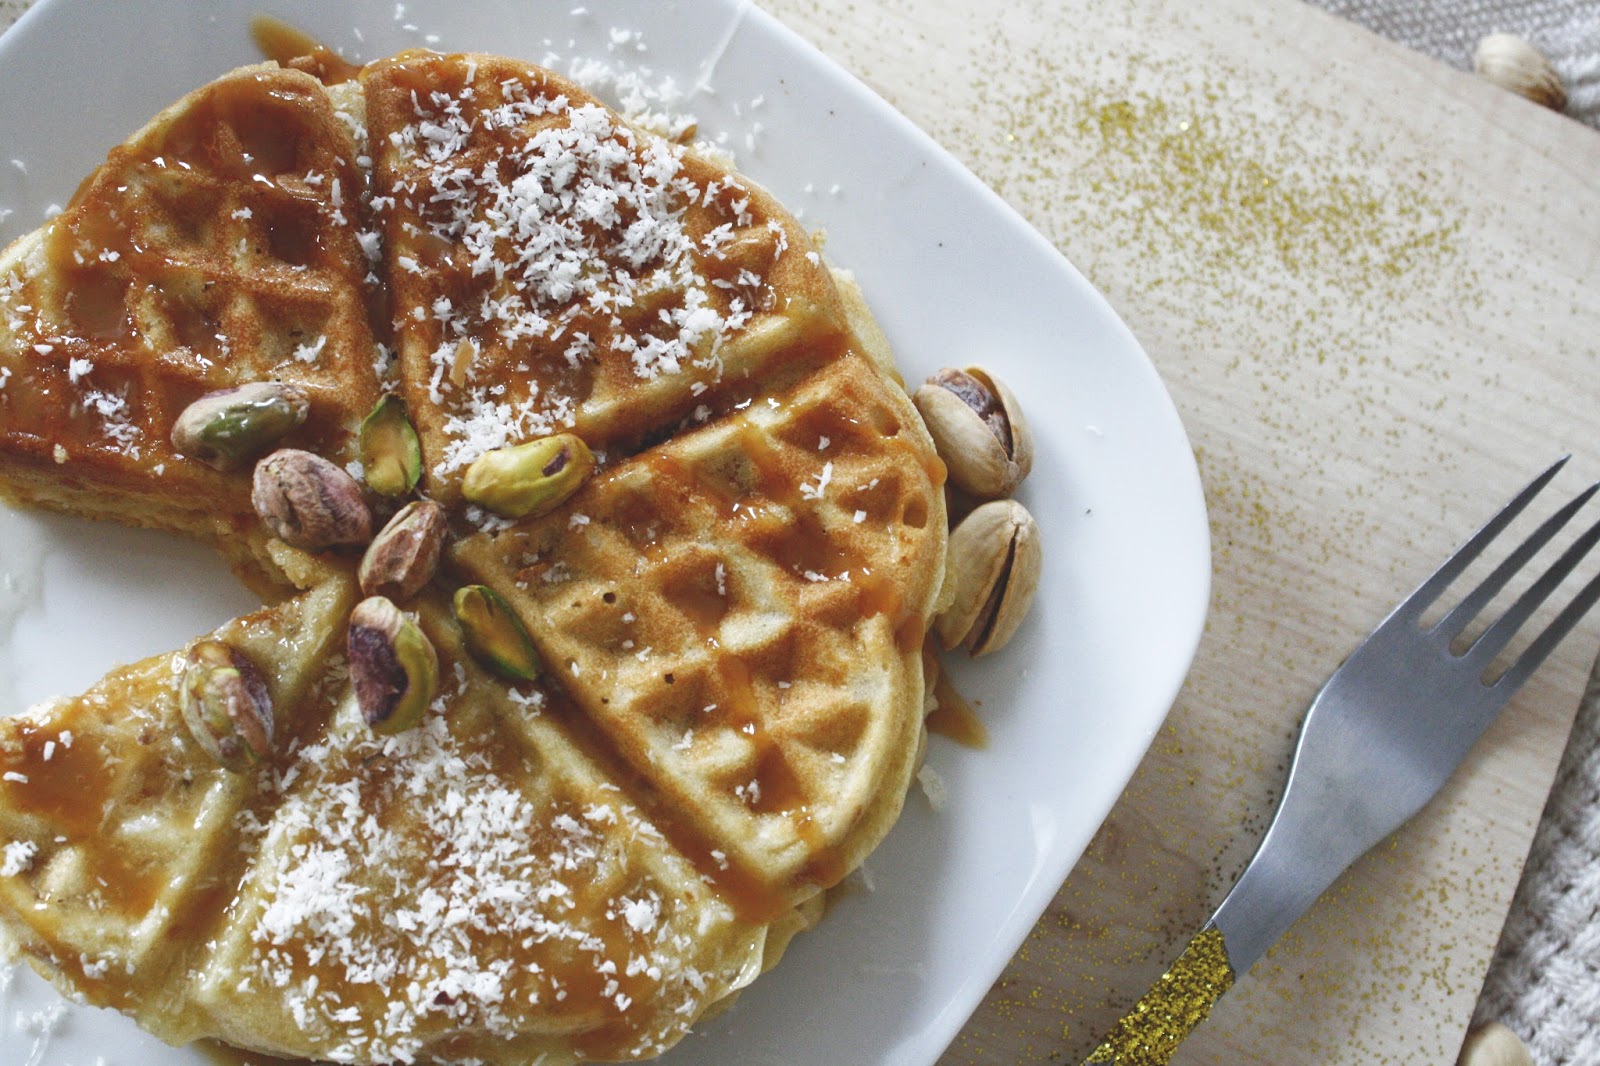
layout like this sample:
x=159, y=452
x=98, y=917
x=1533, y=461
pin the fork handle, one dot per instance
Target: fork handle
x=1150, y=1033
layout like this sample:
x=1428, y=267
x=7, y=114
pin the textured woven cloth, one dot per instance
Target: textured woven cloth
x=1545, y=979
x=1567, y=31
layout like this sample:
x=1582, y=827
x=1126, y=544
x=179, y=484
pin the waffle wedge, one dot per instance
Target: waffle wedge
x=761, y=682
x=551, y=267
x=730, y=613
x=221, y=244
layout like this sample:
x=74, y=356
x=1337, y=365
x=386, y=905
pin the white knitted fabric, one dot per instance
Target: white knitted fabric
x=1545, y=979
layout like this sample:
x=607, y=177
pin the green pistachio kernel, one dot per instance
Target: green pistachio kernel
x=391, y=454
x=494, y=633
x=393, y=667
x=529, y=479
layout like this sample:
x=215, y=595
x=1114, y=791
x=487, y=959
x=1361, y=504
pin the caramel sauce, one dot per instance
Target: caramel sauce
x=97, y=305
x=778, y=787
x=122, y=885
x=955, y=719
x=70, y=791
x=290, y=46
x=238, y=132
x=584, y=987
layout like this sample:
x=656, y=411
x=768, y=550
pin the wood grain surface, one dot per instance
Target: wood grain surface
x=1365, y=279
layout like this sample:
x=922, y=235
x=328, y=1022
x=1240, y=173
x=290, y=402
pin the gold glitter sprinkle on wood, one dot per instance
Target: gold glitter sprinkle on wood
x=1150, y=1033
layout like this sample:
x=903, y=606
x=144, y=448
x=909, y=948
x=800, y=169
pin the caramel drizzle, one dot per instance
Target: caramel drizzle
x=798, y=543
x=290, y=46
x=954, y=718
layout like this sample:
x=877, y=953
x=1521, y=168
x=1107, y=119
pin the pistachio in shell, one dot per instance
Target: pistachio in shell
x=978, y=427
x=224, y=428
x=531, y=478
x=308, y=502
x=391, y=453
x=404, y=555
x=494, y=634
x=393, y=667
x=226, y=705
x=995, y=560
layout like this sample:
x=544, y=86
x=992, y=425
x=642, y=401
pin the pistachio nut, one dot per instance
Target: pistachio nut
x=995, y=561
x=1512, y=63
x=494, y=633
x=405, y=553
x=978, y=427
x=1494, y=1044
x=308, y=502
x=393, y=667
x=529, y=479
x=226, y=705
x=391, y=454
x=224, y=428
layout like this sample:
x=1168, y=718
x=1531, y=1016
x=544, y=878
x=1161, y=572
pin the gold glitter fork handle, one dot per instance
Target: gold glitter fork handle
x=1150, y=1033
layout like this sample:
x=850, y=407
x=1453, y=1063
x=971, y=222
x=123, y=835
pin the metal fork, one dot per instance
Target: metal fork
x=1381, y=737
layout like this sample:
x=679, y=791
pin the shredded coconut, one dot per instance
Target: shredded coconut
x=584, y=216
x=18, y=856
x=814, y=491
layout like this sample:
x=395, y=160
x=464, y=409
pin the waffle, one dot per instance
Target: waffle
x=121, y=839
x=762, y=683
x=552, y=267
x=730, y=612
x=219, y=245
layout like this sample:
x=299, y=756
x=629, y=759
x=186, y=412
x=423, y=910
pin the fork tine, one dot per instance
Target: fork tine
x=1545, y=643
x=1452, y=567
x=1462, y=614
x=1498, y=635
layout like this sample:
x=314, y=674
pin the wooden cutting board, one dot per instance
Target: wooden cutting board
x=1366, y=279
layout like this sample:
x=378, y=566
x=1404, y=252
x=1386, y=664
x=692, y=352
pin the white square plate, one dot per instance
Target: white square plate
x=955, y=276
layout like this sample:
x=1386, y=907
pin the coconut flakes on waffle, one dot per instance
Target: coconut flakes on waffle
x=591, y=224
x=448, y=933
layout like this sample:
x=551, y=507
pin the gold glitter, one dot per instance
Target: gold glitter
x=1150, y=1033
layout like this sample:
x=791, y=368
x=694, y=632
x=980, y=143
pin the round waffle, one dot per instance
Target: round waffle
x=730, y=612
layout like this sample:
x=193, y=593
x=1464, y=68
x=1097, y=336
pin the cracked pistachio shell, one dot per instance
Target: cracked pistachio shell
x=978, y=427
x=224, y=428
x=391, y=453
x=495, y=635
x=529, y=479
x=995, y=560
x=308, y=502
x=404, y=555
x=393, y=667
x=226, y=705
